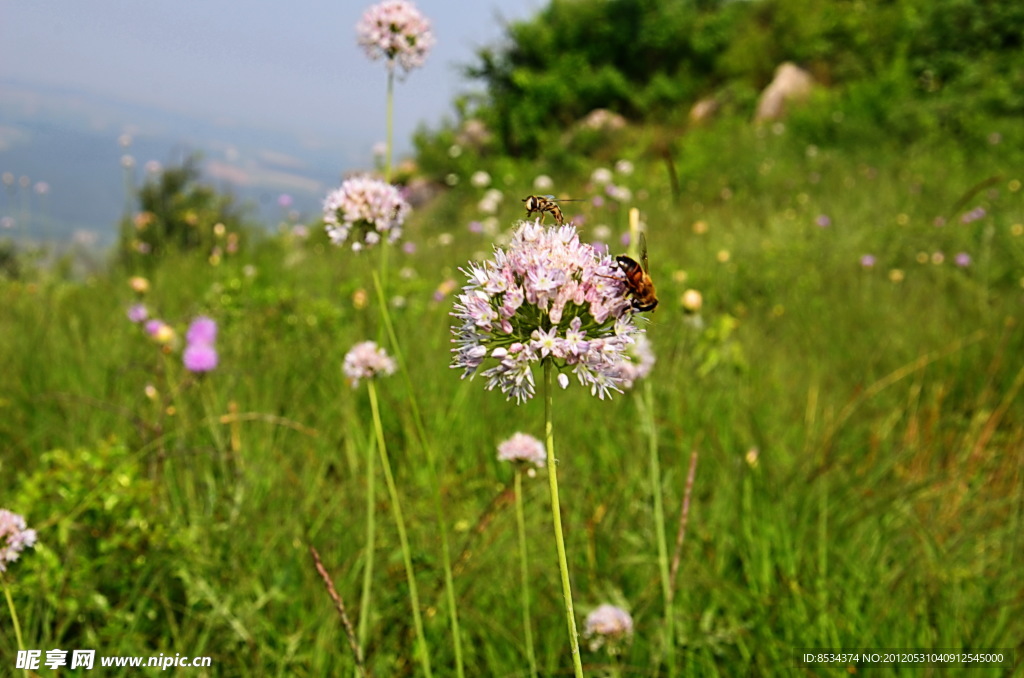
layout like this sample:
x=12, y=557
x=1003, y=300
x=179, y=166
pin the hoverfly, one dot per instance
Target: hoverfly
x=638, y=281
x=546, y=203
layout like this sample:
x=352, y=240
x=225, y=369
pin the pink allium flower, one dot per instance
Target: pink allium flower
x=522, y=448
x=203, y=330
x=547, y=297
x=14, y=537
x=608, y=624
x=365, y=361
x=396, y=31
x=371, y=207
x=199, y=357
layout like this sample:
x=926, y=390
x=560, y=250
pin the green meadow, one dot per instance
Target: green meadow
x=857, y=431
x=841, y=421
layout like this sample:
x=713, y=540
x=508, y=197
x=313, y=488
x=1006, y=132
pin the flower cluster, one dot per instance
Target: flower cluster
x=395, y=30
x=608, y=624
x=522, y=448
x=547, y=297
x=366, y=360
x=14, y=537
x=199, y=354
x=373, y=208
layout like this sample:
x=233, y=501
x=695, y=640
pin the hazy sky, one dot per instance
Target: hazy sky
x=290, y=66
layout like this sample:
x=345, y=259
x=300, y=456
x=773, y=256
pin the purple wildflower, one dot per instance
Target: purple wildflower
x=396, y=31
x=14, y=537
x=371, y=207
x=366, y=360
x=823, y=221
x=203, y=330
x=962, y=259
x=199, y=357
x=547, y=297
x=137, y=313
x=522, y=448
x=868, y=261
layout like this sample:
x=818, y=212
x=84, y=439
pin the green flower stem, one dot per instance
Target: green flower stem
x=390, y=125
x=524, y=572
x=14, y=614
x=371, y=529
x=396, y=509
x=425, y=442
x=556, y=518
x=646, y=413
x=14, y=617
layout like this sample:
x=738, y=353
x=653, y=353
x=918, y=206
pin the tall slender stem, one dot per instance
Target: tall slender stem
x=643, y=402
x=14, y=614
x=446, y=558
x=14, y=617
x=556, y=518
x=371, y=529
x=396, y=508
x=524, y=574
x=390, y=125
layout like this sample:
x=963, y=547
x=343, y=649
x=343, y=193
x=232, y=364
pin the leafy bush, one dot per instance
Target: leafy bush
x=650, y=59
x=104, y=568
x=177, y=212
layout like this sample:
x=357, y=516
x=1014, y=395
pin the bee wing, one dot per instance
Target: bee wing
x=643, y=251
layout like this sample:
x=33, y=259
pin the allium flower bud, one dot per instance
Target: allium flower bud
x=547, y=297
x=370, y=207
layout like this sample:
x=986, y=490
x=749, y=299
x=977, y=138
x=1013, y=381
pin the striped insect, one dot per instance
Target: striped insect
x=638, y=281
x=546, y=203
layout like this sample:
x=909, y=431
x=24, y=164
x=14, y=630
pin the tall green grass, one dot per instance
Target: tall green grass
x=861, y=434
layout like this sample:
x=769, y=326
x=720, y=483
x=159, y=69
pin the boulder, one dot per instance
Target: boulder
x=791, y=84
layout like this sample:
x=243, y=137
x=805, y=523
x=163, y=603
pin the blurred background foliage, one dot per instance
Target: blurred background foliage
x=650, y=60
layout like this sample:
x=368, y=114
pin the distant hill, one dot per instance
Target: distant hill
x=63, y=158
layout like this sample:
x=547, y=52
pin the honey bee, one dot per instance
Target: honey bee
x=546, y=203
x=638, y=281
